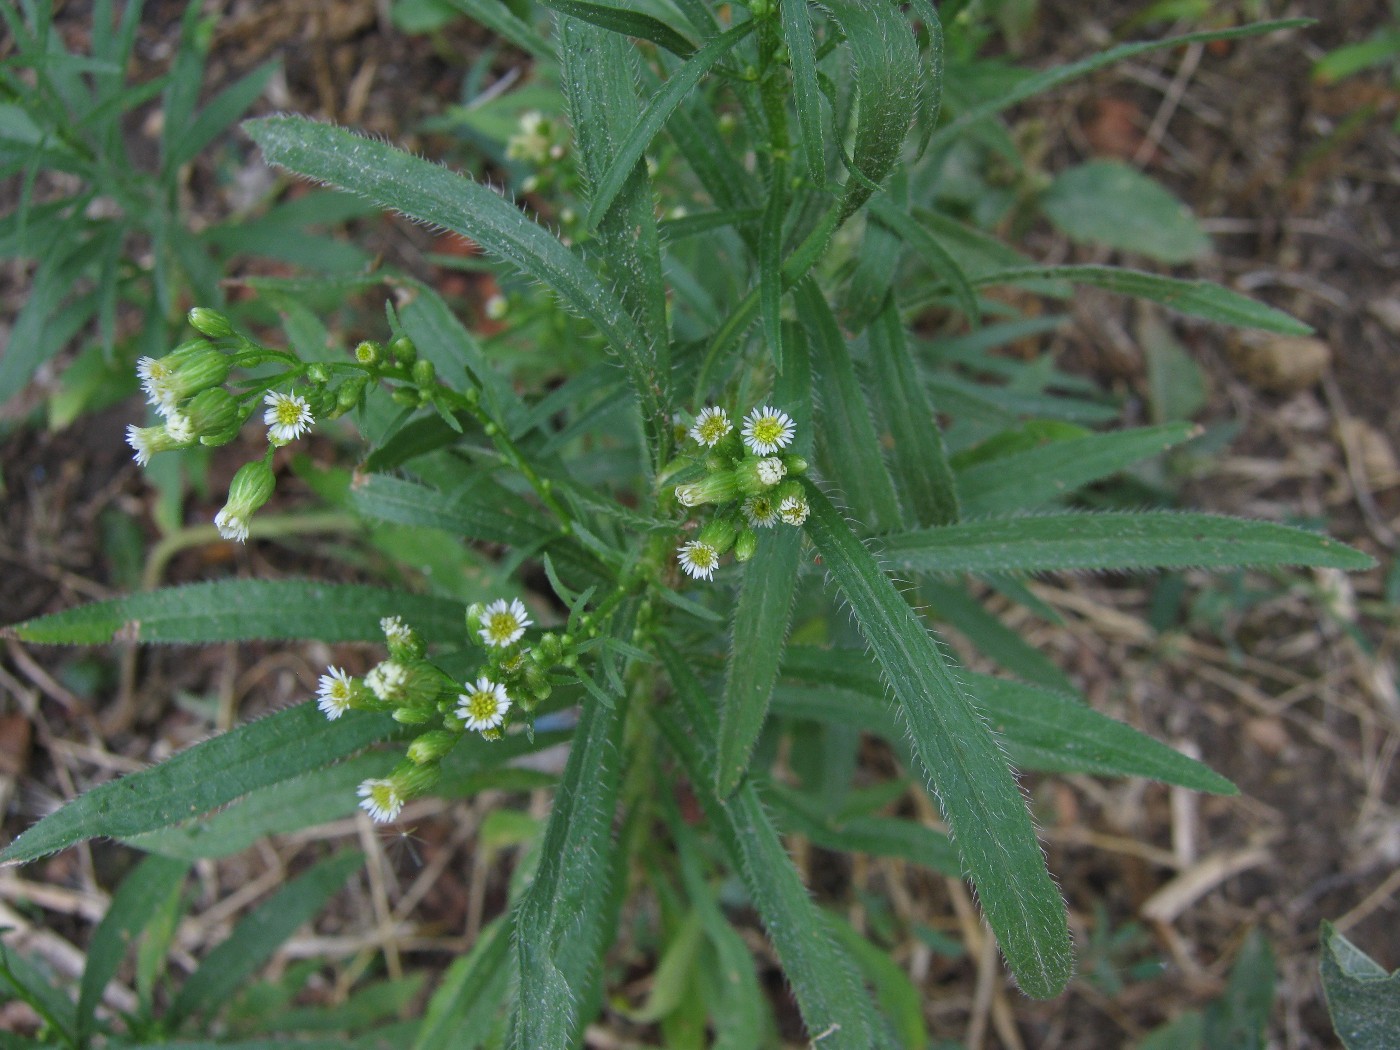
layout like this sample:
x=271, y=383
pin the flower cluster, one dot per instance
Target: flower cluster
x=744, y=478
x=414, y=691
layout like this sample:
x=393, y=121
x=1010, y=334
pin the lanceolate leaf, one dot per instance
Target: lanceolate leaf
x=460, y=1014
x=797, y=36
x=979, y=796
x=432, y=194
x=217, y=771
x=939, y=259
x=239, y=610
x=629, y=23
x=761, y=620
x=1149, y=540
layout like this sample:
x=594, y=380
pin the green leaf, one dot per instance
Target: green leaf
x=560, y=934
x=241, y=610
x=824, y=981
x=876, y=836
x=952, y=604
x=921, y=471
x=895, y=992
x=1023, y=480
x=979, y=796
x=940, y=260
x=1147, y=540
x=761, y=619
x=628, y=23
x=1196, y=298
x=806, y=96
x=770, y=263
x=31, y=985
x=1239, y=1019
x=209, y=774
x=464, y=1007
x=259, y=934
x=141, y=895
x=1112, y=203
x=658, y=111
x=218, y=116
x=887, y=68
x=502, y=21
x=432, y=194
x=1363, y=999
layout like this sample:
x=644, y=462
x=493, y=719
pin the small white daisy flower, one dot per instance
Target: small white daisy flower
x=387, y=680
x=793, y=510
x=179, y=427
x=771, y=470
x=154, y=375
x=231, y=526
x=335, y=692
x=711, y=426
x=288, y=416
x=698, y=559
x=766, y=430
x=761, y=511
x=484, y=706
x=396, y=632
x=504, y=624
x=381, y=800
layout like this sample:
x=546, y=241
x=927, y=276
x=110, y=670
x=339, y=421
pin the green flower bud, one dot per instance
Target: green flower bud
x=182, y=373
x=403, y=641
x=350, y=392
x=402, y=395
x=214, y=413
x=251, y=487
x=719, y=534
x=424, y=374
x=431, y=746
x=413, y=716
x=404, y=350
x=796, y=465
x=713, y=488
x=745, y=545
x=318, y=373
x=369, y=353
x=210, y=323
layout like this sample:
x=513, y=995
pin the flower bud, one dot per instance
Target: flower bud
x=250, y=489
x=182, y=373
x=210, y=323
x=404, y=349
x=424, y=374
x=413, y=716
x=754, y=475
x=350, y=392
x=745, y=545
x=431, y=746
x=318, y=373
x=369, y=353
x=713, y=488
x=403, y=641
x=145, y=442
x=796, y=465
x=719, y=534
x=214, y=416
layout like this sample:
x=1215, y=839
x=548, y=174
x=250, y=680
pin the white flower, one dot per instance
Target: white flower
x=142, y=441
x=179, y=427
x=386, y=680
x=155, y=375
x=760, y=511
x=698, y=559
x=766, y=430
x=396, y=632
x=771, y=470
x=502, y=624
x=793, y=509
x=485, y=706
x=381, y=799
x=711, y=426
x=288, y=416
x=335, y=692
x=231, y=526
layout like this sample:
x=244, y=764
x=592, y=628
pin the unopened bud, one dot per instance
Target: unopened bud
x=431, y=746
x=210, y=323
x=745, y=545
x=405, y=351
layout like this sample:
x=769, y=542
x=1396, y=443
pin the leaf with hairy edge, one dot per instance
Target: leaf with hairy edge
x=499, y=18
x=770, y=263
x=979, y=796
x=618, y=20
x=258, y=935
x=951, y=603
x=241, y=610
x=876, y=836
x=939, y=259
x=887, y=83
x=1023, y=480
x=462, y=1010
x=432, y=194
x=219, y=770
x=1362, y=998
x=1197, y=298
x=559, y=930
x=806, y=96
x=828, y=989
x=658, y=111
x=921, y=471
x=878, y=262
x=761, y=619
x=1118, y=541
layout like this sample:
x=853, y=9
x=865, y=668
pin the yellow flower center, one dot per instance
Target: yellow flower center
x=482, y=705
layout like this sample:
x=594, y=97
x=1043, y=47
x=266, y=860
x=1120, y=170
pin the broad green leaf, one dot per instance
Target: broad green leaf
x=887, y=68
x=1024, y=480
x=432, y=194
x=1147, y=540
x=806, y=96
x=211, y=773
x=878, y=262
x=259, y=934
x=846, y=438
x=317, y=797
x=628, y=23
x=147, y=887
x=761, y=619
x=920, y=461
x=657, y=112
x=824, y=980
x=940, y=260
x=979, y=796
x=1363, y=999
x=1029, y=87
x=1109, y=202
x=464, y=1007
x=560, y=934
x=675, y=971
x=239, y=610
x=1196, y=298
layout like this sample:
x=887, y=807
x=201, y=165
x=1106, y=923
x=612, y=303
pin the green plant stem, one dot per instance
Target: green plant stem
x=267, y=526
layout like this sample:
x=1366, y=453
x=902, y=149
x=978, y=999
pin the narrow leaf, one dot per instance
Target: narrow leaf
x=460, y=1014
x=209, y=774
x=761, y=620
x=1148, y=540
x=628, y=23
x=939, y=259
x=806, y=96
x=502, y=21
x=979, y=796
x=875, y=836
x=240, y=610
x=770, y=263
